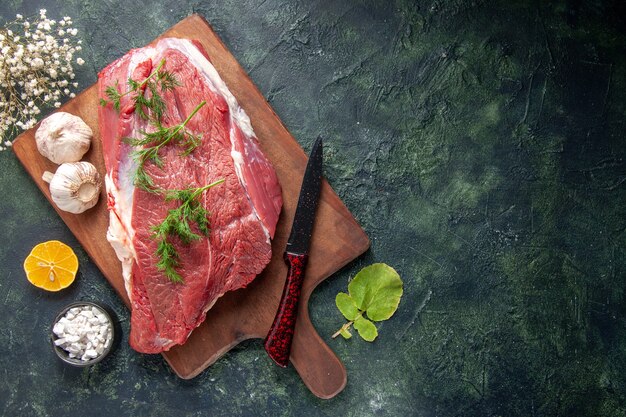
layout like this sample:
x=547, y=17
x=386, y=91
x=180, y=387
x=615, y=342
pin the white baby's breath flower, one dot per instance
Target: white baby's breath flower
x=36, y=62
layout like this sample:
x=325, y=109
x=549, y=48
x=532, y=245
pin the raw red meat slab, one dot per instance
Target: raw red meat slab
x=244, y=209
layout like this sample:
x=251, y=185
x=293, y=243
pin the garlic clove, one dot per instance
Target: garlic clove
x=75, y=186
x=63, y=137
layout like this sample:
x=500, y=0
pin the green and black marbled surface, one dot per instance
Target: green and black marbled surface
x=481, y=146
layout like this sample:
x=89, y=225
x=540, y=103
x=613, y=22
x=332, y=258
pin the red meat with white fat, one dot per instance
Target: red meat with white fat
x=244, y=209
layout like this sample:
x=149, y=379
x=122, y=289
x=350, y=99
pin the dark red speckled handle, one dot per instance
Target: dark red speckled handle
x=278, y=340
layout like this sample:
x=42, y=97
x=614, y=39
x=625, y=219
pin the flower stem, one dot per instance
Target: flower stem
x=347, y=325
x=344, y=327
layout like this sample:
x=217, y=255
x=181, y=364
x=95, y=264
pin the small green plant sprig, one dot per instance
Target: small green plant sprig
x=178, y=223
x=157, y=82
x=149, y=145
x=375, y=292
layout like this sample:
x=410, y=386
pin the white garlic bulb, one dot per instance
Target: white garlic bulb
x=75, y=186
x=63, y=137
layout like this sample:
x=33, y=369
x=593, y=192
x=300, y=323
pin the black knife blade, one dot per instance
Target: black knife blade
x=279, y=338
x=302, y=227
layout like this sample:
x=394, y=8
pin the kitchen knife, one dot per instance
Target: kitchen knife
x=278, y=340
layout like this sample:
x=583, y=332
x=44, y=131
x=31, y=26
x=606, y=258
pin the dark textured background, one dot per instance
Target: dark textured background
x=481, y=146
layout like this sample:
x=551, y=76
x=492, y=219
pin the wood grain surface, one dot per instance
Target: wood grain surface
x=246, y=313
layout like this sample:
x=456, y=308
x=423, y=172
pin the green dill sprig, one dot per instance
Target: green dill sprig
x=151, y=143
x=157, y=80
x=178, y=223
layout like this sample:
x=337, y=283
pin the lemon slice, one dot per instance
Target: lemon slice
x=51, y=265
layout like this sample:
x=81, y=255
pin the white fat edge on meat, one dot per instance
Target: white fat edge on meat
x=120, y=233
x=215, y=82
x=163, y=342
x=237, y=115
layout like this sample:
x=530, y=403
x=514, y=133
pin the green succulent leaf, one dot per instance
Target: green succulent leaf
x=366, y=329
x=347, y=306
x=374, y=292
x=377, y=290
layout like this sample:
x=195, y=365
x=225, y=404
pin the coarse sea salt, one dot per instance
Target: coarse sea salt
x=84, y=332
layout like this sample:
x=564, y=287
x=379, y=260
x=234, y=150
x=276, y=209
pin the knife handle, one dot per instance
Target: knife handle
x=279, y=338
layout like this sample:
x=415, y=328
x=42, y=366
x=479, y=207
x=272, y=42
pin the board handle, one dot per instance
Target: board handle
x=320, y=369
x=278, y=340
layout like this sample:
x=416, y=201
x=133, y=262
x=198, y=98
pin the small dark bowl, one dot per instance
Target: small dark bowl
x=63, y=354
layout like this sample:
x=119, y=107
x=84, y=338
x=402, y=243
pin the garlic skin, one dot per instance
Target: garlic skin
x=63, y=137
x=75, y=187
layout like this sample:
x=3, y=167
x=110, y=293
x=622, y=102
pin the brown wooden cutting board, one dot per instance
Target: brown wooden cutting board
x=246, y=313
